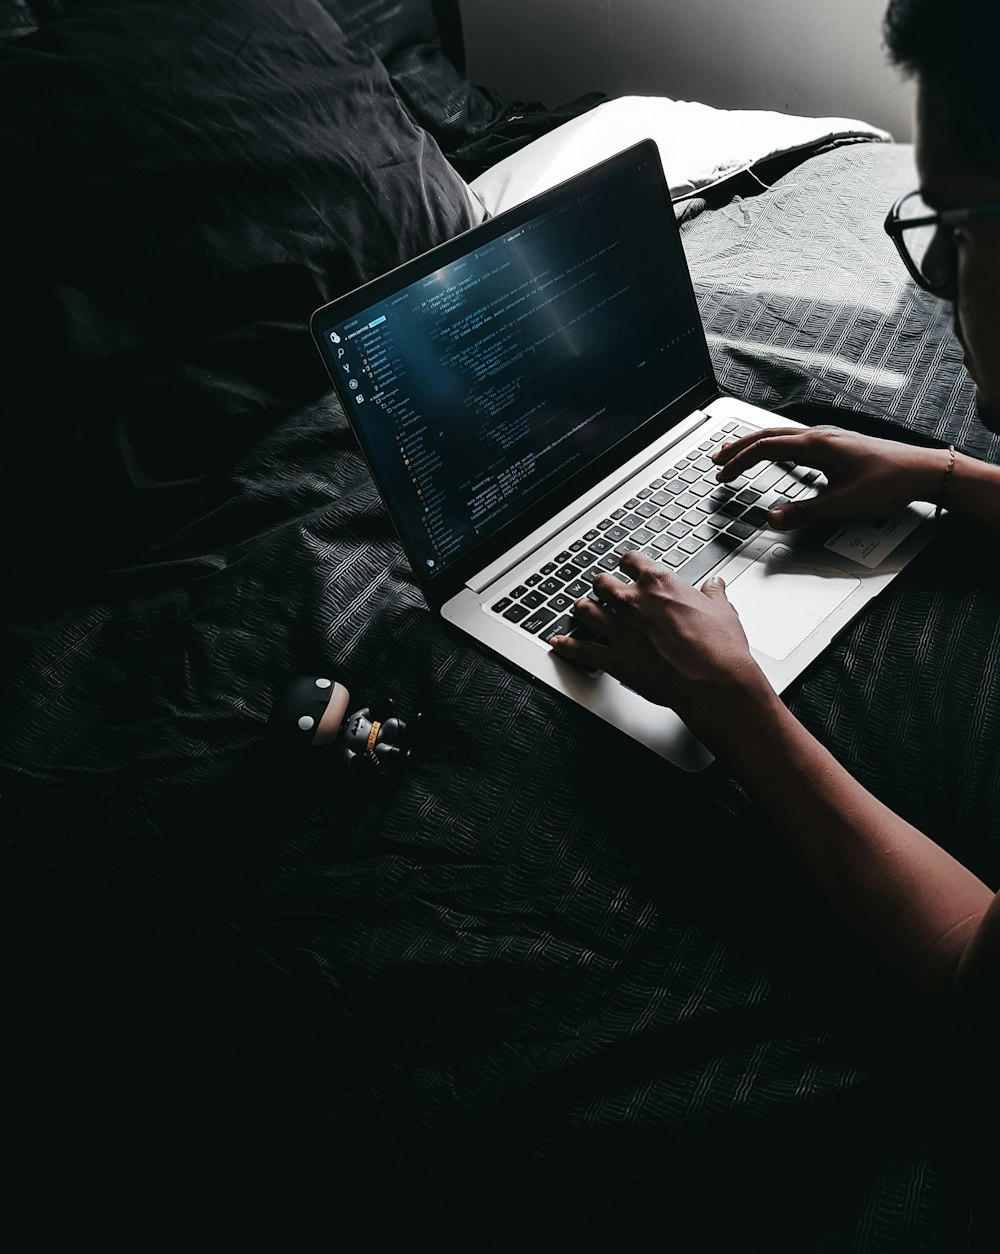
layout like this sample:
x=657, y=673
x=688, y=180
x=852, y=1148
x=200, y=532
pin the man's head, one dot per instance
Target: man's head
x=952, y=49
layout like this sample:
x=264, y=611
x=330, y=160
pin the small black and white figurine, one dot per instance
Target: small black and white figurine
x=312, y=711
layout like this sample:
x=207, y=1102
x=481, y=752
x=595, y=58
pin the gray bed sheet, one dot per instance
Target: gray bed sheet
x=548, y=993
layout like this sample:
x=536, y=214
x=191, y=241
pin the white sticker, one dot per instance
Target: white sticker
x=869, y=544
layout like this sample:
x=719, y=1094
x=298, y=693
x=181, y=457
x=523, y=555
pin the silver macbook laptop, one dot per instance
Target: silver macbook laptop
x=536, y=396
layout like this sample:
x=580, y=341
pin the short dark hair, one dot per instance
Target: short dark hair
x=954, y=47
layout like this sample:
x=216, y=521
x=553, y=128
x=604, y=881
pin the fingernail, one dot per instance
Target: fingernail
x=778, y=515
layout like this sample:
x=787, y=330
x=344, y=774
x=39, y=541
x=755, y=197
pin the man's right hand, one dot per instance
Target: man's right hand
x=866, y=477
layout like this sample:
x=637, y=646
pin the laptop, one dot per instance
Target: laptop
x=536, y=396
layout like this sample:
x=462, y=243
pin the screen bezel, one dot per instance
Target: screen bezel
x=442, y=586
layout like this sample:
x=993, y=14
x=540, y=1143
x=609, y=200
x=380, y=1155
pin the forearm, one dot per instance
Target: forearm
x=914, y=906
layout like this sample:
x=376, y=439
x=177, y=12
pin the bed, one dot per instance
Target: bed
x=546, y=992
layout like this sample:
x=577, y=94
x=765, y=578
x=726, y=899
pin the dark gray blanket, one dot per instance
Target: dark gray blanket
x=549, y=992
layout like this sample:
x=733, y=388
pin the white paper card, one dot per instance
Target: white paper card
x=869, y=544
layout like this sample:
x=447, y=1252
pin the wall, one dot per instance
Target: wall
x=818, y=58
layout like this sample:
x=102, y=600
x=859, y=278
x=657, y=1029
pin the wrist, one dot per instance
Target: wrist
x=726, y=712
x=931, y=472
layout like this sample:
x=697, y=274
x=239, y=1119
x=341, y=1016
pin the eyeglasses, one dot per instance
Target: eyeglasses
x=925, y=238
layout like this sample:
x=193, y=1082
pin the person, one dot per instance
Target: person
x=928, y=919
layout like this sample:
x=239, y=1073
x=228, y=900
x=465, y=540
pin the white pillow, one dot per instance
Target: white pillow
x=698, y=144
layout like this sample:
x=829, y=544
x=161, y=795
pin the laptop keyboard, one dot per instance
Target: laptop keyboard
x=683, y=518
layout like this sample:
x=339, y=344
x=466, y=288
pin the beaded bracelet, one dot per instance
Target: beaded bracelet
x=943, y=493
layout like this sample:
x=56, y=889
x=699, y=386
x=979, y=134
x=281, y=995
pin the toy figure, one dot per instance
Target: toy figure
x=312, y=710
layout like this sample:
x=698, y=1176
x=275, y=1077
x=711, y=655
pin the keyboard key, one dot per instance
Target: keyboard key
x=626, y=546
x=701, y=488
x=519, y=591
x=609, y=561
x=568, y=626
x=642, y=535
x=590, y=535
x=550, y=586
x=576, y=589
x=686, y=500
x=564, y=556
x=539, y=619
x=632, y=502
x=584, y=558
x=674, y=558
x=600, y=545
x=645, y=509
x=631, y=521
x=663, y=542
x=709, y=557
x=560, y=602
x=678, y=529
x=548, y=568
x=643, y=493
x=616, y=533
x=559, y=627
x=704, y=532
x=756, y=517
x=748, y=496
x=576, y=546
x=516, y=612
x=767, y=478
x=733, y=509
x=532, y=599
x=501, y=605
x=691, y=545
x=566, y=572
x=656, y=523
x=741, y=529
x=533, y=580
x=670, y=512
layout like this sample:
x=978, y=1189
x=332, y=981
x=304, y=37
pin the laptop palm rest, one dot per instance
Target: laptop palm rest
x=784, y=596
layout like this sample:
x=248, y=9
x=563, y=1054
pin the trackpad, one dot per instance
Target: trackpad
x=783, y=597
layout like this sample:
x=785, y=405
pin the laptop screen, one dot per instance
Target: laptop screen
x=481, y=386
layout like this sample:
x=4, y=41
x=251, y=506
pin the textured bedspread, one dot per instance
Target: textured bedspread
x=549, y=993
